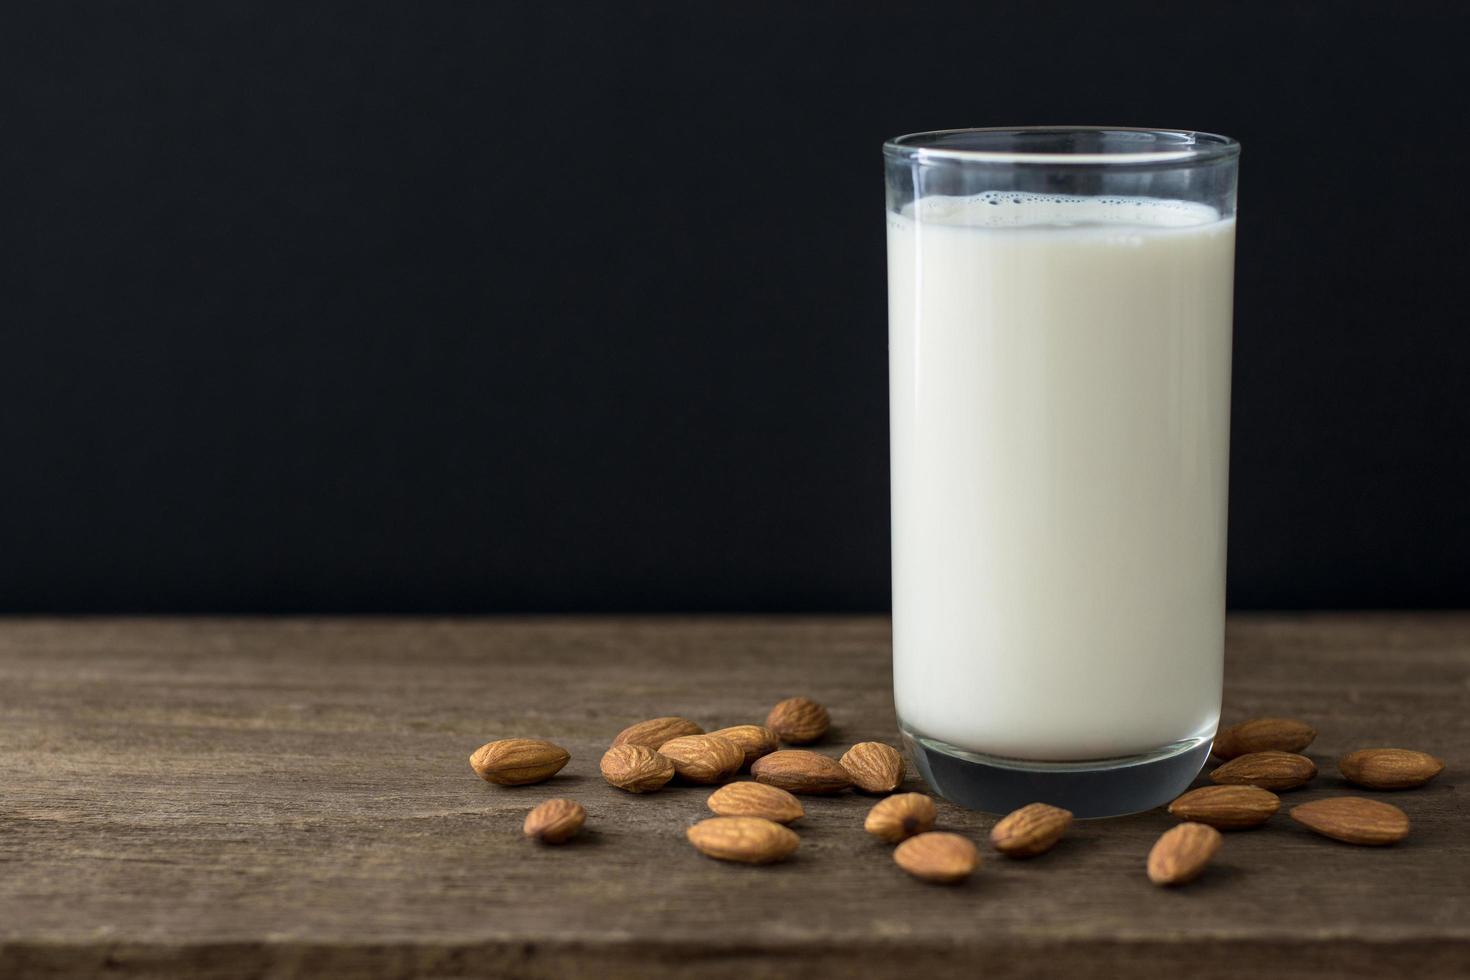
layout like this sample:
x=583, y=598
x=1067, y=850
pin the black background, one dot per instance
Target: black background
x=490, y=306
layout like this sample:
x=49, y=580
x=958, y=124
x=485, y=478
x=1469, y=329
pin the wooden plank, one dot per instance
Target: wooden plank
x=288, y=798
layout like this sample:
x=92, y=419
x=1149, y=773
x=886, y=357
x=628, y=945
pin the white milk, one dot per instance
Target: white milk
x=1060, y=407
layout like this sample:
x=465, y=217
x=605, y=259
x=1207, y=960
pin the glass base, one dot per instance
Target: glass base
x=1099, y=788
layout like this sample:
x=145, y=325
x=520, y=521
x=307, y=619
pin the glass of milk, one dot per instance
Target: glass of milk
x=1059, y=310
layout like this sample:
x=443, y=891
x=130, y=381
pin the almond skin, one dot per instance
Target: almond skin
x=1389, y=768
x=656, y=731
x=754, y=740
x=799, y=721
x=1182, y=853
x=703, y=759
x=874, y=767
x=900, y=817
x=1271, y=770
x=1227, y=807
x=555, y=821
x=800, y=771
x=942, y=858
x=1354, y=820
x=635, y=768
x=1034, y=829
x=755, y=800
x=749, y=840
x=518, y=761
x=1262, y=735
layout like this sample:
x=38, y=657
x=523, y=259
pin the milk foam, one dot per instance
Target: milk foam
x=996, y=209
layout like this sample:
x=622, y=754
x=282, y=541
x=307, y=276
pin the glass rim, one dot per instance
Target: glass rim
x=1188, y=146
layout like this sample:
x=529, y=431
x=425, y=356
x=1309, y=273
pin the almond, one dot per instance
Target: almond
x=1261, y=735
x=635, y=768
x=798, y=720
x=1268, y=770
x=656, y=731
x=874, y=767
x=518, y=761
x=1354, y=820
x=800, y=771
x=1034, y=829
x=1227, y=807
x=749, y=840
x=754, y=740
x=900, y=817
x=555, y=821
x=938, y=857
x=1182, y=853
x=1389, y=768
x=755, y=800
x=703, y=758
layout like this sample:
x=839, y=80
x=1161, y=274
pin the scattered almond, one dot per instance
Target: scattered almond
x=900, y=817
x=1389, y=768
x=1034, y=829
x=703, y=758
x=1272, y=770
x=1354, y=820
x=1182, y=853
x=754, y=740
x=555, y=821
x=755, y=800
x=656, y=731
x=800, y=771
x=636, y=768
x=939, y=857
x=798, y=720
x=874, y=767
x=749, y=840
x=518, y=761
x=1261, y=735
x=1227, y=807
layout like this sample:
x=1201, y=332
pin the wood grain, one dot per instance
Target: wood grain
x=291, y=798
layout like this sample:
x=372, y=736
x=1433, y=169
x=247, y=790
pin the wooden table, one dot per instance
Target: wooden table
x=282, y=798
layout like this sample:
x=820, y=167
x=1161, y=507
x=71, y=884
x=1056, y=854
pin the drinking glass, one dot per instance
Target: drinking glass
x=1059, y=381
